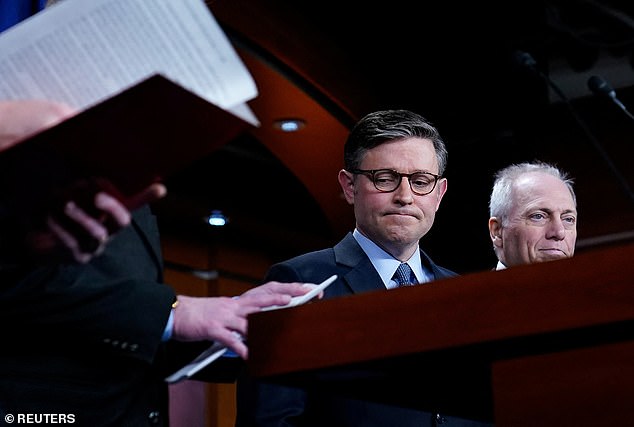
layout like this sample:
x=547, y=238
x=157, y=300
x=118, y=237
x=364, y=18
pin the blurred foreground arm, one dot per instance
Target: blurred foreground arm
x=20, y=119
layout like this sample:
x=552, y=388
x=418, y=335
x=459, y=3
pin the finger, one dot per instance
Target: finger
x=150, y=194
x=289, y=288
x=65, y=237
x=68, y=241
x=236, y=343
x=114, y=209
x=92, y=226
x=88, y=233
x=256, y=302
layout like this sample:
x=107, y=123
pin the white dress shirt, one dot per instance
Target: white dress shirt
x=386, y=265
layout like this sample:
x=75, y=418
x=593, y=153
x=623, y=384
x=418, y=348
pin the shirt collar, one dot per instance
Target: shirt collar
x=385, y=264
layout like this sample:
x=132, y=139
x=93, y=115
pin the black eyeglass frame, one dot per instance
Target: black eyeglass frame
x=371, y=173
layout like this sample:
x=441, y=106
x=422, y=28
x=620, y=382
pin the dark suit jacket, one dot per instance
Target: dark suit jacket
x=86, y=339
x=271, y=405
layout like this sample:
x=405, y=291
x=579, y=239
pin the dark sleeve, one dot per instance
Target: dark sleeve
x=12, y=251
x=115, y=303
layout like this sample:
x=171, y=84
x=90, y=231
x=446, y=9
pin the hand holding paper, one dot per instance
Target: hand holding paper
x=317, y=289
x=118, y=125
x=217, y=349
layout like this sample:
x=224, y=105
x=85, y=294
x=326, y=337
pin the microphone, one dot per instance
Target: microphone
x=597, y=85
x=524, y=59
x=600, y=87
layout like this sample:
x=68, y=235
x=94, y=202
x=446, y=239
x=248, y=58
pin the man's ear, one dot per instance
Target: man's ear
x=441, y=190
x=495, y=231
x=346, y=181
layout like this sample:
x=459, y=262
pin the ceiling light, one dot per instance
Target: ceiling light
x=217, y=219
x=289, y=125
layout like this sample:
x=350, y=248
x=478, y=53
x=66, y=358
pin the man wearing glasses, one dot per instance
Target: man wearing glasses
x=394, y=161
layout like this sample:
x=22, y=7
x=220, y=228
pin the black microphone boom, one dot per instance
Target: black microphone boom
x=600, y=87
x=526, y=60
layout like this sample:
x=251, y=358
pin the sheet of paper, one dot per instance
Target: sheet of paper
x=81, y=52
x=306, y=297
x=205, y=358
x=216, y=350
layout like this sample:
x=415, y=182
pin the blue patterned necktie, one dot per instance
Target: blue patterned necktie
x=404, y=276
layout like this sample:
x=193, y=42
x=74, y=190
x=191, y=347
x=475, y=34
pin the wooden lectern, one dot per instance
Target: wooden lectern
x=548, y=344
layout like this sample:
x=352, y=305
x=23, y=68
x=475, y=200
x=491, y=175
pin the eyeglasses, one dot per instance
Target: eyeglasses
x=388, y=180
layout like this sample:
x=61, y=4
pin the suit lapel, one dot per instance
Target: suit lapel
x=144, y=223
x=359, y=273
x=361, y=276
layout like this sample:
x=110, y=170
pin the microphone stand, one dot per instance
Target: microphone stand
x=526, y=60
x=601, y=88
x=622, y=107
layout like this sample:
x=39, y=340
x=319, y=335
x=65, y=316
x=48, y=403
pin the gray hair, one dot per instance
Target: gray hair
x=500, y=201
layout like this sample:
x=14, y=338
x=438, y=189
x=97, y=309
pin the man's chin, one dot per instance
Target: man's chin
x=552, y=256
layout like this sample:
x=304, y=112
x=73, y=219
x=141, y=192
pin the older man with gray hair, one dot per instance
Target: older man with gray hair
x=533, y=214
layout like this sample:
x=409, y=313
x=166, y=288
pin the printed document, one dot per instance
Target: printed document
x=82, y=52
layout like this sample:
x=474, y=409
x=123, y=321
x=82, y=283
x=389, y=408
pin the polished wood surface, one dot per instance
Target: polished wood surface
x=590, y=386
x=472, y=345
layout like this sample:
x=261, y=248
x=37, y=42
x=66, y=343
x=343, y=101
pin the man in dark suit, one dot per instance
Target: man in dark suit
x=394, y=161
x=84, y=340
x=91, y=340
x=86, y=336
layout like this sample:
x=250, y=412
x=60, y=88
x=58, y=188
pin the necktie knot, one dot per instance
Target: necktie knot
x=404, y=275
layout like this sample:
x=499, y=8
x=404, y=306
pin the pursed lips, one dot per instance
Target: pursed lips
x=553, y=250
x=401, y=213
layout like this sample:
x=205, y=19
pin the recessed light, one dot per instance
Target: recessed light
x=289, y=125
x=217, y=219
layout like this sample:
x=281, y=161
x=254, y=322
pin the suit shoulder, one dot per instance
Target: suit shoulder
x=322, y=255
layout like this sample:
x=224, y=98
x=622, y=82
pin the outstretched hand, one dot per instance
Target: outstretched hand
x=224, y=319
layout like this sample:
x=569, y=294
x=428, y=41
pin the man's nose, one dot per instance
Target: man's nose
x=404, y=191
x=556, y=229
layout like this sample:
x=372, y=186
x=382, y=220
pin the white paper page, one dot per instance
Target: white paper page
x=205, y=358
x=82, y=52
